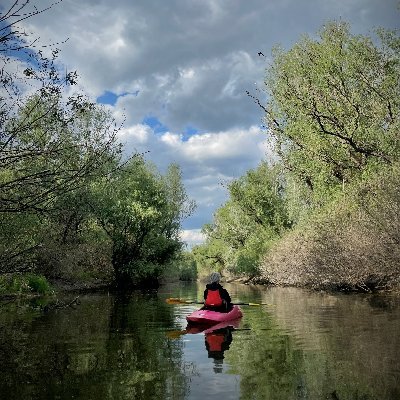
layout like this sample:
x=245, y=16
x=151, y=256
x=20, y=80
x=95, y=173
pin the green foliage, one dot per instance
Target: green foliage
x=187, y=267
x=334, y=108
x=19, y=240
x=350, y=244
x=24, y=284
x=68, y=205
x=71, y=193
x=140, y=211
x=50, y=156
x=258, y=194
x=333, y=116
x=38, y=284
x=46, y=154
x=245, y=226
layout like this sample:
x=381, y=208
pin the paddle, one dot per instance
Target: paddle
x=174, y=300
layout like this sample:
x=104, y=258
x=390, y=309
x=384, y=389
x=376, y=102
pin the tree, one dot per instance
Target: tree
x=49, y=141
x=51, y=144
x=259, y=194
x=333, y=113
x=48, y=154
x=62, y=180
x=140, y=211
x=334, y=106
x=243, y=228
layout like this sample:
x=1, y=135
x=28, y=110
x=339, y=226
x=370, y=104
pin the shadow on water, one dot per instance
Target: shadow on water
x=306, y=346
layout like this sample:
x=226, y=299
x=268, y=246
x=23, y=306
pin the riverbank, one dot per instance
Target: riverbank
x=354, y=256
x=13, y=286
x=275, y=276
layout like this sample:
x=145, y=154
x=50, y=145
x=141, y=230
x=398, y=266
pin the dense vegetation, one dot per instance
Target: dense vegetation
x=72, y=207
x=246, y=226
x=326, y=213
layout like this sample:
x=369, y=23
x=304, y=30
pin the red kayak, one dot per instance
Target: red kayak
x=214, y=317
x=195, y=328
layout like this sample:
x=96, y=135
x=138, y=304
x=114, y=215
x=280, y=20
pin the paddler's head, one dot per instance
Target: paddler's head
x=215, y=277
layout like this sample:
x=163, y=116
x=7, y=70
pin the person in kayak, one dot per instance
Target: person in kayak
x=216, y=298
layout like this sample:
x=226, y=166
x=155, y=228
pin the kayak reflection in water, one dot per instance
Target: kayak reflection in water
x=216, y=298
x=217, y=342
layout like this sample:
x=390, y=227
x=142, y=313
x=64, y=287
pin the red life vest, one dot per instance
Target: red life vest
x=215, y=341
x=213, y=298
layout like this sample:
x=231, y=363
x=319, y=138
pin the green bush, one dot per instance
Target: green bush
x=39, y=284
x=188, y=272
x=24, y=284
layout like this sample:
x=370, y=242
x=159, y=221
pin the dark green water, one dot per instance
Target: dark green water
x=305, y=346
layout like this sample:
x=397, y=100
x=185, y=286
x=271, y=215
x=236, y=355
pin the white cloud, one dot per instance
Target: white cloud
x=192, y=237
x=207, y=161
x=136, y=134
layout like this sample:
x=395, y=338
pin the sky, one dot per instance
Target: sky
x=177, y=72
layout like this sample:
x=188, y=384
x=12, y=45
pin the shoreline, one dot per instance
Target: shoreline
x=63, y=287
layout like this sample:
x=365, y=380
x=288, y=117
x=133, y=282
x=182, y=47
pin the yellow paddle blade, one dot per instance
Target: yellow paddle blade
x=253, y=304
x=175, y=334
x=175, y=300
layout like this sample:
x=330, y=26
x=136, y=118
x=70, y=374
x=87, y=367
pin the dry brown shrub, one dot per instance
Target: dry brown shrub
x=353, y=245
x=79, y=262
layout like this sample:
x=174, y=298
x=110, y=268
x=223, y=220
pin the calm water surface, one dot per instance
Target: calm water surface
x=304, y=345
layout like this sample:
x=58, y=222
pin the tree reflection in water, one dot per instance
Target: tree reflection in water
x=107, y=348
x=308, y=346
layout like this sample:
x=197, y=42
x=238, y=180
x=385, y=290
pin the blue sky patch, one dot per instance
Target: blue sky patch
x=14, y=47
x=189, y=131
x=111, y=98
x=107, y=98
x=155, y=124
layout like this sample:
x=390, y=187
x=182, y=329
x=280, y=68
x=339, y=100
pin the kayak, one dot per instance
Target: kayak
x=214, y=317
x=194, y=328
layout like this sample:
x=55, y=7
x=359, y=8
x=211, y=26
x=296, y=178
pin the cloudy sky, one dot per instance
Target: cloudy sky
x=178, y=71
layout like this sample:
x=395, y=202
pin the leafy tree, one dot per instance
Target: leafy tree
x=47, y=155
x=44, y=172
x=333, y=115
x=259, y=195
x=63, y=185
x=141, y=211
x=52, y=145
x=185, y=266
x=210, y=256
x=48, y=141
x=246, y=224
x=334, y=106
x=179, y=205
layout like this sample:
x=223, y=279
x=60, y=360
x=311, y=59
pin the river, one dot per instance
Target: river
x=302, y=345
